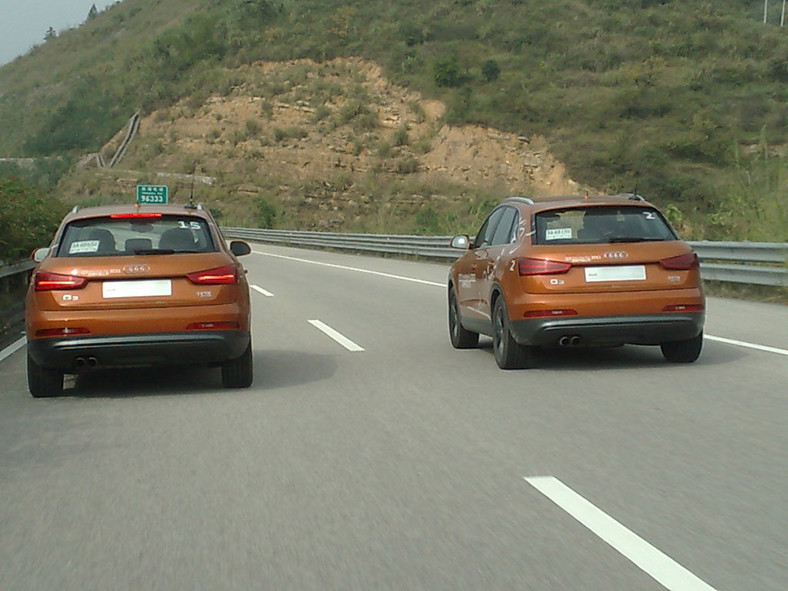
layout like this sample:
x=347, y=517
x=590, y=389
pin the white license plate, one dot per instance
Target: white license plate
x=137, y=289
x=616, y=273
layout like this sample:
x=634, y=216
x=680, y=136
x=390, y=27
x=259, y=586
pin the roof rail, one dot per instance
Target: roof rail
x=75, y=209
x=519, y=200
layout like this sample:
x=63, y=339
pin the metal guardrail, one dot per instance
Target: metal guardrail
x=753, y=263
x=12, y=270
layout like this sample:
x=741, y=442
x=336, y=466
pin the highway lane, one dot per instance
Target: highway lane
x=402, y=465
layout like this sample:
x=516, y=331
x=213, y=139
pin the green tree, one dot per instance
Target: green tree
x=28, y=218
x=447, y=73
x=92, y=13
x=490, y=70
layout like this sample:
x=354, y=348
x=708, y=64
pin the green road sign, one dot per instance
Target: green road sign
x=152, y=194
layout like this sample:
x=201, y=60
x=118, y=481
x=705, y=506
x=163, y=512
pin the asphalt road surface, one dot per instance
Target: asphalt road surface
x=371, y=455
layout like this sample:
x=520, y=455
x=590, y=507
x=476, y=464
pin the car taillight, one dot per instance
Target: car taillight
x=550, y=313
x=683, y=262
x=528, y=266
x=61, y=332
x=54, y=281
x=218, y=276
x=684, y=308
x=213, y=326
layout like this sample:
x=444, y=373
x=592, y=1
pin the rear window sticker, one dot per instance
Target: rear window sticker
x=83, y=246
x=558, y=234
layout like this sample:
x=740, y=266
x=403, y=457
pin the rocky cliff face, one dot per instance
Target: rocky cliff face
x=328, y=144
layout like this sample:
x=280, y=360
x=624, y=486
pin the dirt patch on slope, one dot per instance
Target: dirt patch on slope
x=327, y=137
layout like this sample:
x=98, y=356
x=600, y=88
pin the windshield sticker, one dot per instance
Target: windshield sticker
x=558, y=234
x=83, y=246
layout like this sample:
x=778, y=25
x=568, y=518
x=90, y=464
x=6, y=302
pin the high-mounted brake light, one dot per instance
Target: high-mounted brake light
x=218, y=276
x=125, y=216
x=528, y=266
x=55, y=281
x=683, y=262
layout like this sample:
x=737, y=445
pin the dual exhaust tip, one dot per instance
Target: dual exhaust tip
x=570, y=341
x=85, y=362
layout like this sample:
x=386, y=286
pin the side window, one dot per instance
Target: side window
x=504, y=233
x=487, y=231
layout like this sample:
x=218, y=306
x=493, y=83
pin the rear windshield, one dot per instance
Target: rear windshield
x=127, y=236
x=601, y=225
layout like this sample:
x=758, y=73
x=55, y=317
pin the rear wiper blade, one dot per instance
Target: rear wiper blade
x=154, y=251
x=616, y=239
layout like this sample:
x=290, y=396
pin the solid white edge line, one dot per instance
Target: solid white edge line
x=339, y=338
x=653, y=562
x=12, y=348
x=358, y=270
x=259, y=289
x=748, y=345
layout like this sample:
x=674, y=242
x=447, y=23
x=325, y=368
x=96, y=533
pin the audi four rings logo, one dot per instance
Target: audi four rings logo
x=136, y=269
x=617, y=255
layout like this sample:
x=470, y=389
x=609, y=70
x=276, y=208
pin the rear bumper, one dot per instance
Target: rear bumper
x=138, y=350
x=651, y=329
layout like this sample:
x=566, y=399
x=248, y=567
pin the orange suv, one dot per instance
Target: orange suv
x=576, y=271
x=135, y=286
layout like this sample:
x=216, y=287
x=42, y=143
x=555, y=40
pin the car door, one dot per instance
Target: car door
x=494, y=260
x=470, y=283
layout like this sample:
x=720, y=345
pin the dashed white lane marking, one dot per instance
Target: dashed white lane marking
x=356, y=269
x=339, y=338
x=659, y=566
x=748, y=345
x=433, y=283
x=259, y=289
x=12, y=348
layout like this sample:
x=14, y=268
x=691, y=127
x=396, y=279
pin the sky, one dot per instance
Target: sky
x=23, y=23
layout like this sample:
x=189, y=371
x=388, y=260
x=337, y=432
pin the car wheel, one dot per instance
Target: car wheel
x=239, y=372
x=460, y=338
x=509, y=354
x=683, y=351
x=43, y=382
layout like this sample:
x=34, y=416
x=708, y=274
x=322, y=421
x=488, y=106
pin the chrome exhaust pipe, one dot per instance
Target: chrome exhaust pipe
x=92, y=362
x=79, y=362
x=565, y=341
x=575, y=340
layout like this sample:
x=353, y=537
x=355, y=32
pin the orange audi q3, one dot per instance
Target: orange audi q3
x=573, y=272
x=131, y=286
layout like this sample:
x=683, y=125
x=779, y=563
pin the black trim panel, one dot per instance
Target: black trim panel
x=139, y=350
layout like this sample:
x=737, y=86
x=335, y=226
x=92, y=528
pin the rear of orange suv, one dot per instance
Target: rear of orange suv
x=581, y=271
x=126, y=286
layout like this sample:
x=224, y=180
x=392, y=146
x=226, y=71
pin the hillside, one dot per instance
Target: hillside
x=685, y=101
x=371, y=156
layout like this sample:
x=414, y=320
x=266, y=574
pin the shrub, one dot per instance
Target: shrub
x=490, y=70
x=28, y=218
x=447, y=73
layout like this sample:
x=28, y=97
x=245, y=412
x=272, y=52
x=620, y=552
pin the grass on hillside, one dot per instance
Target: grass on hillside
x=675, y=98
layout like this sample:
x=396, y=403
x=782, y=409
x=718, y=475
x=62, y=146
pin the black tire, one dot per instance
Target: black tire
x=43, y=382
x=460, y=338
x=509, y=354
x=239, y=372
x=683, y=351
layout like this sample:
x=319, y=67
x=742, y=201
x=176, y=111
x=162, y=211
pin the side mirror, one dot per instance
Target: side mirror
x=239, y=248
x=39, y=254
x=462, y=242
